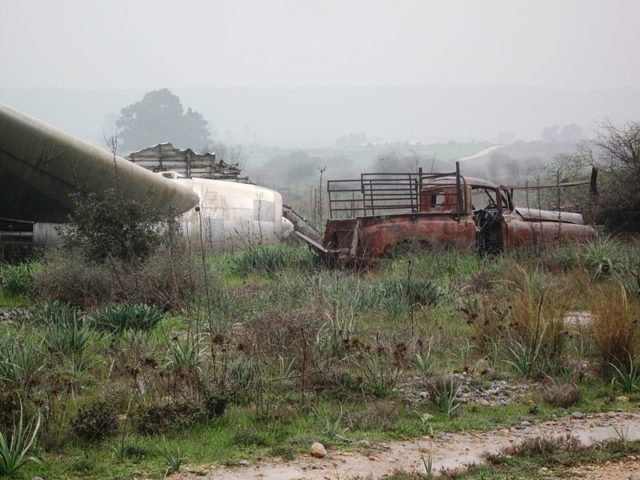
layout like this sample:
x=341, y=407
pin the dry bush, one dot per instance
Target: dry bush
x=9, y=406
x=562, y=395
x=381, y=415
x=614, y=324
x=482, y=282
x=537, y=446
x=95, y=422
x=165, y=415
x=69, y=277
x=288, y=336
x=339, y=382
x=165, y=279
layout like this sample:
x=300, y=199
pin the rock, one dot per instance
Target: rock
x=318, y=450
x=244, y=463
x=425, y=417
x=37, y=478
x=577, y=415
x=364, y=443
x=634, y=476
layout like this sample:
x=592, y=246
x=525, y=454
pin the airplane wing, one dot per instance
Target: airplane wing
x=41, y=166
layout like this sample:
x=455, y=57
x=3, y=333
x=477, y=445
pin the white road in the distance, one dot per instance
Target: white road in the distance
x=481, y=153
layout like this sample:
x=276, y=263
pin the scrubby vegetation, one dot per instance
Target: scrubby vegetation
x=123, y=354
x=275, y=352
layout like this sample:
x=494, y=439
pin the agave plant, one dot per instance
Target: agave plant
x=444, y=394
x=16, y=450
x=68, y=332
x=172, y=455
x=20, y=359
x=186, y=354
x=628, y=375
x=119, y=318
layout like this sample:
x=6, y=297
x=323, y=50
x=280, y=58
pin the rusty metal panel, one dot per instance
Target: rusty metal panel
x=517, y=232
x=368, y=237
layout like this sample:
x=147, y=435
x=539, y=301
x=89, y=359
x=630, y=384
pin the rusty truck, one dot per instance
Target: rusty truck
x=378, y=213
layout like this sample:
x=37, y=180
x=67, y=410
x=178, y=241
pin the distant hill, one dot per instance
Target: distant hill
x=316, y=117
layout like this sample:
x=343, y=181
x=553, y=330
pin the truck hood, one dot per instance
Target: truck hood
x=535, y=215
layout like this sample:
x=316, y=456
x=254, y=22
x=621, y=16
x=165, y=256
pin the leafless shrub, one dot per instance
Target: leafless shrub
x=165, y=279
x=562, y=395
x=536, y=446
x=379, y=415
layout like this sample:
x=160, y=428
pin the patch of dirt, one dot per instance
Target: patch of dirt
x=13, y=315
x=473, y=390
x=628, y=469
x=447, y=451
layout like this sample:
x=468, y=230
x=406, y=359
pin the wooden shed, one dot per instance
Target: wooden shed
x=165, y=157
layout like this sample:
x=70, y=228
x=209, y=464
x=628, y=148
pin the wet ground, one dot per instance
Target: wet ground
x=447, y=451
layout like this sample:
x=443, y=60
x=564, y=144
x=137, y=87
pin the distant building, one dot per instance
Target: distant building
x=165, y=157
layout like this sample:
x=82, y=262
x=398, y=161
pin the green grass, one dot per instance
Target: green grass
x=305, y=354
x=8, y=300
x=238, y=436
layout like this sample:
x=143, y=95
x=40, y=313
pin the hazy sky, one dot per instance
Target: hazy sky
x=189, y=43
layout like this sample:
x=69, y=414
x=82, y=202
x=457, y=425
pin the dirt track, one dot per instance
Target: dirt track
x=447, y=451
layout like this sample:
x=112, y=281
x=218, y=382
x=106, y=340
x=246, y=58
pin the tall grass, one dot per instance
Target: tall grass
x=17, y=279
x=614, y=323
x=269, y=259
x=20, y=359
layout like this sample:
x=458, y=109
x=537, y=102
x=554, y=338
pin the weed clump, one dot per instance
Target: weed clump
x=614, y=326
x=165, y=279
x=20, y=359
x=563, y=396
x=18, y=279
x=9, y=406
x=119, y=318
x=68, y=332
x=380, y=415
x=250, y=437
x=164, y=415
x=95, y=422
x=539, y=446
x=444, y=391
x=215, y=405
x=270, y=259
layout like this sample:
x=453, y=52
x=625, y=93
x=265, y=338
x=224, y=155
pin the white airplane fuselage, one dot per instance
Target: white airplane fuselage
x=229, y=215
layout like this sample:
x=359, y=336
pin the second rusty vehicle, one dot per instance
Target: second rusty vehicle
x=374, y=215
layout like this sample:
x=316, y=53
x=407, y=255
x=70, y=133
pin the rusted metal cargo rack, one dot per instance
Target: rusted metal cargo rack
x=373, y=215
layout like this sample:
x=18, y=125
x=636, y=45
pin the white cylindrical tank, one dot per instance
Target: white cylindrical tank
x=232, y=215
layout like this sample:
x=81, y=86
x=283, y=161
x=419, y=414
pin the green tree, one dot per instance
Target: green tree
x=106, y=226
x=160, y=117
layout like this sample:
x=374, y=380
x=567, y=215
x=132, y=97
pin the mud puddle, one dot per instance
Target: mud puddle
x=447, y=451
